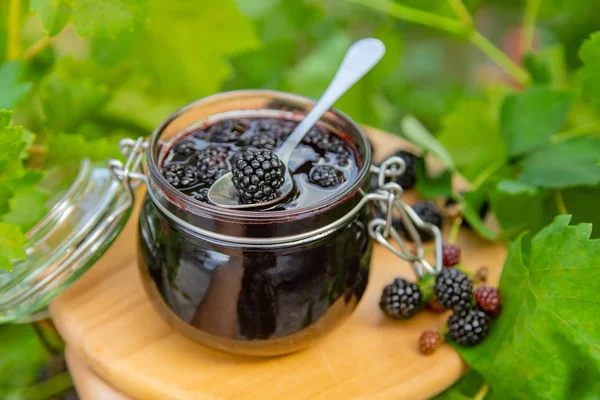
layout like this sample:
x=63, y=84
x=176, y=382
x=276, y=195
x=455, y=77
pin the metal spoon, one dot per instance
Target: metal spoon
x=360, y=59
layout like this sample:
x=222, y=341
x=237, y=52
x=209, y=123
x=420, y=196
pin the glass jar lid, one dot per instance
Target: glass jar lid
x=71, y=238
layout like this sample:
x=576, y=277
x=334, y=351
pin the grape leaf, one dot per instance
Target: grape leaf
x=12, y=245
x=547, y=339
x=471, y=136
x=528, y=119
x=53, y=13
x=12, y=90
x=567, y=164
x=590, y=73
x=107, y=17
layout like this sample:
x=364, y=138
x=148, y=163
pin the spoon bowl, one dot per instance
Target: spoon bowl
x=361, y=57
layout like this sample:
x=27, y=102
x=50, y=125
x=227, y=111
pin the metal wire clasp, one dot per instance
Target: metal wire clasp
x=381, y=229
x=131, y=174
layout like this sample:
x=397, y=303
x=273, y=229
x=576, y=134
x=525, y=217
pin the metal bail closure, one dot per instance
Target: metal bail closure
x=73, y=235
x=387, y=199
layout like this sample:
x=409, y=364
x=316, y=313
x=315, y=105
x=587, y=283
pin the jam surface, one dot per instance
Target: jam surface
x=321, y=166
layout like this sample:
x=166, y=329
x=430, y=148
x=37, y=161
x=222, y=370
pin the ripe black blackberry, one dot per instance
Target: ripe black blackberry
x=212, y=163
x=185, y=148
x=428, y=212
x=328, y=143
x=257, y=175
x=326, y=176
x=400, y=299
x=453, y=289
x=200, y=195
x=450, y=255
x=226, y=131
x=408, y=179
x=469, y=326
x=180, y=176
x=488, y=299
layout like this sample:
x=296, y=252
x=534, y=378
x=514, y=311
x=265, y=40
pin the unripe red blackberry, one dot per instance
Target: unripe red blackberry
x=450, y=255
x=488, y=299
x=429, y=342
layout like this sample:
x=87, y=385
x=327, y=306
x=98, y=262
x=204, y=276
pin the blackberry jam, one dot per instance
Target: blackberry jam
x=260, y=282
x=321, y=165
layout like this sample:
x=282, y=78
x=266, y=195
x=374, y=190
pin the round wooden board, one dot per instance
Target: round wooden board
x=108, y=322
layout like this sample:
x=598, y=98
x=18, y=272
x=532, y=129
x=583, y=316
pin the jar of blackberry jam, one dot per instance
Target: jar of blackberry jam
x=259, y=282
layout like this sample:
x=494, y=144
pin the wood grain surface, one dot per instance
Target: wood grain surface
x=115, y=335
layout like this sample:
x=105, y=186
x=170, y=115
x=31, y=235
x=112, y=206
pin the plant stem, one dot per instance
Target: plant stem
x=414, y=15
x=452, y=26
x=13, y=50
x=486, y=173
x=528, y=27
x=454, y=230
x=37, y=149
x=560, y=202
x=37, y=48
x=575, y=132
x=482, y=392
x=461, y=12
x=496, y=55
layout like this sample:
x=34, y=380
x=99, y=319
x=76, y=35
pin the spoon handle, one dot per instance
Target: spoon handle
x=361, y=57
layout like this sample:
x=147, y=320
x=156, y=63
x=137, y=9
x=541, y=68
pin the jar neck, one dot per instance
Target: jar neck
x=253, y=224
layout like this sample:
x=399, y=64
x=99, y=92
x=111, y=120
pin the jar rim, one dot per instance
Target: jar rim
x=184, y=201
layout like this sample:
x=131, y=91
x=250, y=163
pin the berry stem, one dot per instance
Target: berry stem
x=501, y=59
x=36, y=48
x=560, y=202
x=482, y=392
x=592, y=127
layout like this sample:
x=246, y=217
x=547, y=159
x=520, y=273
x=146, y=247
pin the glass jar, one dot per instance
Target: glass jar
x=247, y=282
x=254, y=282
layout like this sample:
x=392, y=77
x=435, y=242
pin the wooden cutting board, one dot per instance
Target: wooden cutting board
x=109, y=323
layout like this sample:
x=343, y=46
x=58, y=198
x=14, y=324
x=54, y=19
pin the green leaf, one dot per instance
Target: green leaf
x=537, y=68
x=465, y=389
x=23, y=355
x=590, y=56
x=529, y=118
x=12, y=90
x=515, y=187
x=419, y=135
x=71, y=149
x=53, y=13
x=12, y=145
x=108, y=17
x=27, y=207
x=567, y=164
x=432, y=187
x=67, y=102
x=5, y=117
x=547, y=339
x=12, y=245
x=256, y=8
x=471, y=136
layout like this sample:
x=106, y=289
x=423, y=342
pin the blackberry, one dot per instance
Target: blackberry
x=408, y=179
x=429, y=342
x=257, y=175
x=400, y=299
x=200, y=195
x=212, y=163
x=488, y=299
x=180, y=175
x=326, y=176
x=226, y=131
x=468, y=327
x=270, y=133
x=263, y=140
x=428, y=212
x=453, y=289
x=185, y=148
x=328, y=143
x=450, y=255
